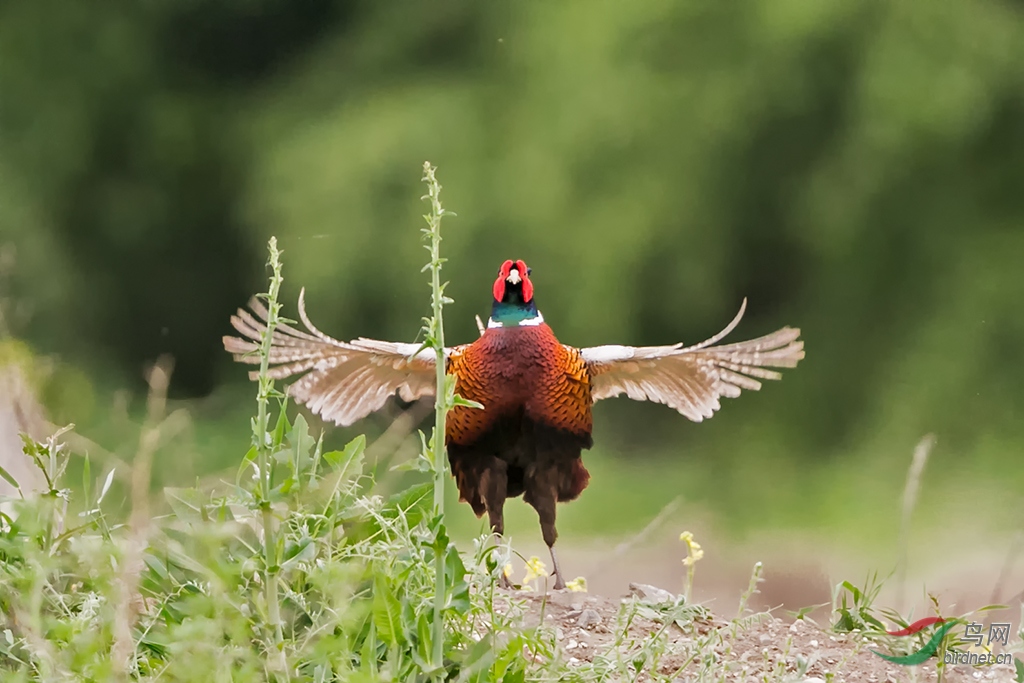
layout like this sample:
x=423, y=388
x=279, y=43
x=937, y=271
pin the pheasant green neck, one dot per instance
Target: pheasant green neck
x=513, y=315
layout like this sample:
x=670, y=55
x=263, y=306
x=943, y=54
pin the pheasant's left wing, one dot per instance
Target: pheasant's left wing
x=691, y=379
x=340, y=381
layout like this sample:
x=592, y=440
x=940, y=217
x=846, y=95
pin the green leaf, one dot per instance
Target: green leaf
x=106, y=486
x=368, y=654
x=988, y=608
x=250, y=456
x=417, y=464
x=301, y=442
x=317, y=455
x=156, y=565
x=281, y=429
x=349, y=461
x=8, y=478
x=478, y=660
x=457, y=586
x=387, y=611
x=86, y=479
x=459, y=401
x=186, y=503
x=1019, y=668
x=424, y=642
x=295, y=552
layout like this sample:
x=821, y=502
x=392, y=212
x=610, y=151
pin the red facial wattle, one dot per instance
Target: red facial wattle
x=524, y=273
x=503, y=273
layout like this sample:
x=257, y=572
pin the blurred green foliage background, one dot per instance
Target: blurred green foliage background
x=853, y=168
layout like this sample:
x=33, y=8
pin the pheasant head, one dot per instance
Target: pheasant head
x=513, y=297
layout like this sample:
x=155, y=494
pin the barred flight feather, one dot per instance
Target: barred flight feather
x=343, y=381
x=691, y=379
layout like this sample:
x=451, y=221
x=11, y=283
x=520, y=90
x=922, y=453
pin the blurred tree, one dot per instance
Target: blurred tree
x=851, y=167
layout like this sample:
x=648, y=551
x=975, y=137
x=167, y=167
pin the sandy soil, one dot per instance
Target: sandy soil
x=763, y=648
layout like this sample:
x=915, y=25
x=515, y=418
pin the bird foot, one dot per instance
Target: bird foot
x=557, y=573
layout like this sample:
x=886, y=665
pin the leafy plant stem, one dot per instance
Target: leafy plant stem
x=435, y=339
x=263, y=441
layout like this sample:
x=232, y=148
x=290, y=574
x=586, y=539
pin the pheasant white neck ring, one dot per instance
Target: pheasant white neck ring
x=538, y=319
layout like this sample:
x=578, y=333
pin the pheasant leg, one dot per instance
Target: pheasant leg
x=559, y=582
x=494, y=486
x=542, y=499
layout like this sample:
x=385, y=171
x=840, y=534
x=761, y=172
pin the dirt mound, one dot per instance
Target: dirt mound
x=653, y=630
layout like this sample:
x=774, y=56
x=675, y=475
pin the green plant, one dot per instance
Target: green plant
x=298, y=571
x=853, y=608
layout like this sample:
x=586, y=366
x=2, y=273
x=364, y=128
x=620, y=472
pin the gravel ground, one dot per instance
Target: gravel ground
x=761, y=648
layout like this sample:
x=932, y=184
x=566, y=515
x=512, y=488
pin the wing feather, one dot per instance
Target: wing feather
x=692, y=379
x=341, y=381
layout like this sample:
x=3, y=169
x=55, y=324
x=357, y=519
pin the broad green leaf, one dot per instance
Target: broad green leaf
x=348, y=461
x=477, y=662
x=156, y=565
x=456, y=585
x=387, y=611
x=301, y=443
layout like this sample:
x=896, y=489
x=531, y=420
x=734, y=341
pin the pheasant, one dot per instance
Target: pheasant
x=536, y=392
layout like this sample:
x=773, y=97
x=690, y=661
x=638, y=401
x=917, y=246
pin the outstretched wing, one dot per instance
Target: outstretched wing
x=691, y=379
x=340, y=381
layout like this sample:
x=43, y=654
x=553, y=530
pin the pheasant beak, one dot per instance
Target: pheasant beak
x=514, y=277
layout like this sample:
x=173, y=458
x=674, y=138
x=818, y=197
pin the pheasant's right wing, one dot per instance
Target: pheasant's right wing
x=341, y=381
x=691, y=379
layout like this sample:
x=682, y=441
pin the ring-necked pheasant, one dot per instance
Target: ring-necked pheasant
x=536, y=392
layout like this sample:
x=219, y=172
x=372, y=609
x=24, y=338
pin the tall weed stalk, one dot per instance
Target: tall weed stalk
x=433, y=330
x=262, y=443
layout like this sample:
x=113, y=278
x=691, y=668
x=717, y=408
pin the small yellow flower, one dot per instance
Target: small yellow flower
x=534, y=569
x=508, y=571
x=577, y=585
x=693, y=550
x=694, y=553
x=693, y=557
